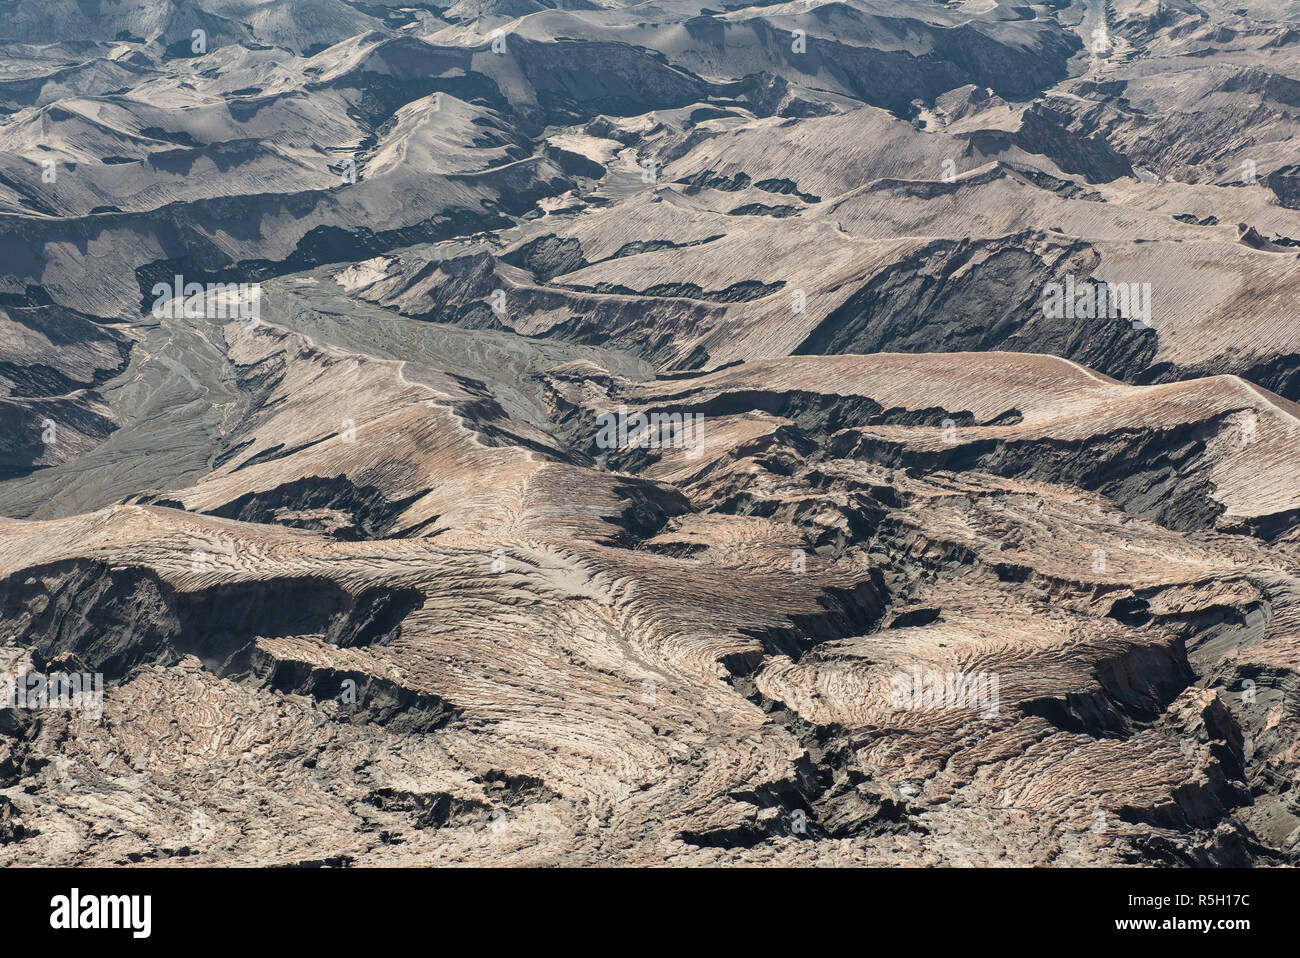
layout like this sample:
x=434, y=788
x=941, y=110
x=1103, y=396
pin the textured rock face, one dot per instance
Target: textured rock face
x=860, y=433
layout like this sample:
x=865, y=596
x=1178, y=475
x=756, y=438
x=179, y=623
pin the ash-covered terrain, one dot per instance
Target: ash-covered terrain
x=604, y=433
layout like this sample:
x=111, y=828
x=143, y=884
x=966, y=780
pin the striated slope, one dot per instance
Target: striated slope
x=718, y=680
